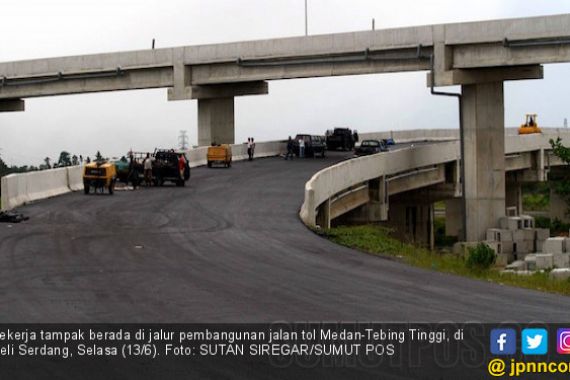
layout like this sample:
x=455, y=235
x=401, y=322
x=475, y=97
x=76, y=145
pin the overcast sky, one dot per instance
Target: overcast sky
x=142, y=120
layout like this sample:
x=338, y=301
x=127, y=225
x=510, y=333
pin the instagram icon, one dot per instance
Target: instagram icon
x=563, y=341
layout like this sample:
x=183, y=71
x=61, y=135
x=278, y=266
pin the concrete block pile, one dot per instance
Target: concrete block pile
x=523, y=249
x=549, y=253
x=515, y=238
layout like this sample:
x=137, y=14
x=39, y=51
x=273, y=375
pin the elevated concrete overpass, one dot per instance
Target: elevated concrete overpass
x=401, y=186
x=479, y=56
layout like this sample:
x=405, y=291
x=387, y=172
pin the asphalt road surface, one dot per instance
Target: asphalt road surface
x=229, y=247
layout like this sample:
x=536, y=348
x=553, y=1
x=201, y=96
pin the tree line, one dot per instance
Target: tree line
x=65, y=159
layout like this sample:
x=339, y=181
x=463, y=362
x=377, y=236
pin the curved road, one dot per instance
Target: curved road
x=227, y=248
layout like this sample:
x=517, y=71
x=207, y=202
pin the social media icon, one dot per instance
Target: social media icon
x=563, y=341
x=504, y=342
x=534, y=341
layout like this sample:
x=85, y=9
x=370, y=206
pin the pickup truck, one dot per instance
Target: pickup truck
x=164, y=167
x=314, y=145
x=342, y=138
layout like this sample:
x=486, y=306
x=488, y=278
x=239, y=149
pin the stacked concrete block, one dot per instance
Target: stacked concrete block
x=559, y=248
x=503, y=259
x=517, y=237
x=527, y=222
x=544, y=261
x=561, y=260
x=521, y=256
x=541, y=235
x=560, y=273
x=517, y=266
x=502, y=236
x=524, y=241
x=512, y=223
x=554, y=245
x=530, y=261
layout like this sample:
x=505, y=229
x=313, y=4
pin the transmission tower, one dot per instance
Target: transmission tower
x=183, y=140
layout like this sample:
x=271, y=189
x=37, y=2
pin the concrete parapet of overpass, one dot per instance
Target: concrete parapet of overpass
x=420, y=175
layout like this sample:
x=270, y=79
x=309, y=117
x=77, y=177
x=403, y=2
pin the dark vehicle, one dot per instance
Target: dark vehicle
x=368, y=147
x=314, y=145
x=342, y=138
x=389, y=141
x=165, y=167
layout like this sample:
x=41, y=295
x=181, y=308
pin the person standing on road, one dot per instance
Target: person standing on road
x=133, y=176
x=301, y=148
x=181, y=166
x=147, y=164
x=252, y=149
x=249, y=148
x=289, y=149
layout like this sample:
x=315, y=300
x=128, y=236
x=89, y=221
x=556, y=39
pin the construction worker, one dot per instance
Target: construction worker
x=289, y=149
x=181, y=166
x=147, y=164
x=301, y=148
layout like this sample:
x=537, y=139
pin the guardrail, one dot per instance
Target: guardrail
x=19, y=189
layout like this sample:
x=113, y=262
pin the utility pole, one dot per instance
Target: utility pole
x=565, y=123
x=306, y=20
x=183, y=140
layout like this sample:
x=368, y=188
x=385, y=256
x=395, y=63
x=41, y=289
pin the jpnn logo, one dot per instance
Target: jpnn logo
x=563, y=341
x=534, y=341
x=504, y=342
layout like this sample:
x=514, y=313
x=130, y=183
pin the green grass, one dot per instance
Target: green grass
x=441, y=239
x=377, y=240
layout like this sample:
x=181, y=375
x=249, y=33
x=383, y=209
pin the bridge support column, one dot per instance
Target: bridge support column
x=513, y=195
x=453, y=218
x=483, y=157
x=324, y=215
x=413, y=223
x=216, y=121
x=558, y=207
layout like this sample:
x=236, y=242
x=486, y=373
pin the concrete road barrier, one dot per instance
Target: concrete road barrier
x=413, y=135
x=75, y=178
x=18, y=189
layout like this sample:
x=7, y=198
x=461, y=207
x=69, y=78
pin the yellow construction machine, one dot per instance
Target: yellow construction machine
x=530, y=126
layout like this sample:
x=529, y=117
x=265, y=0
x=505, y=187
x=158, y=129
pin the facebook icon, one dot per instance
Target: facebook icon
x=503, y=342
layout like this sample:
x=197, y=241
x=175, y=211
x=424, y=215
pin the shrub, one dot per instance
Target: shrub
x=480, y=257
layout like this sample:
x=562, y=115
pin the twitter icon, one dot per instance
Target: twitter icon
x=534, y=341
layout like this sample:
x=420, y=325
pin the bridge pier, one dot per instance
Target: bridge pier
x=453, y=217
x=413, y=223
x=216, y=121
x=483, y=157
x=216, y=105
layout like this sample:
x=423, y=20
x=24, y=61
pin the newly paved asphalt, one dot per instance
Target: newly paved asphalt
x=227, y=248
